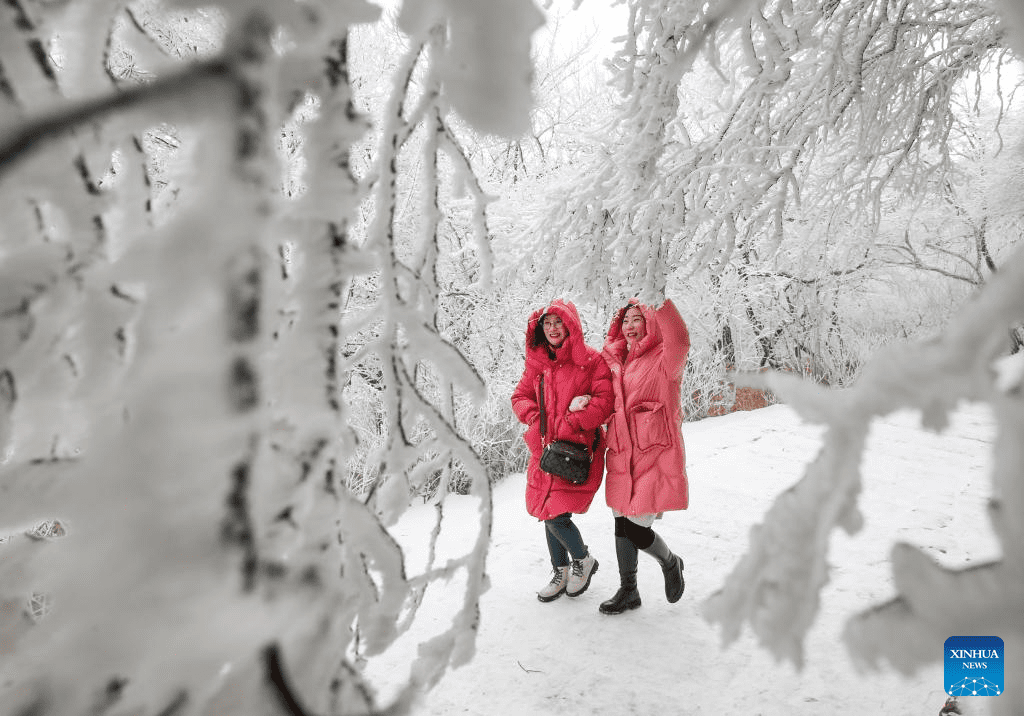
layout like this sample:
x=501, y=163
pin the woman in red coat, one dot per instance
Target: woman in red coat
x=577, y=397
x=646, y=352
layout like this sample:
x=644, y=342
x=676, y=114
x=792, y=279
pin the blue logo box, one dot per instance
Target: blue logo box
x=974, y=666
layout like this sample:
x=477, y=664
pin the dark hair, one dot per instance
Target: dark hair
x=625, y=310
x=621, y=315
x=539, y=339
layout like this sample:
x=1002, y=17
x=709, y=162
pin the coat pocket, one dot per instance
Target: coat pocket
x=651, y=425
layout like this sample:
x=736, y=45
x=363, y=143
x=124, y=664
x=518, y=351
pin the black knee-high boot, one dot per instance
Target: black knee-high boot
x=627, y=597
x=671, y=567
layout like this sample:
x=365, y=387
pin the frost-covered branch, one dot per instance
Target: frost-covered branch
x=172, y=379
x=683, y=186
x=203, y=83
x=775, y=586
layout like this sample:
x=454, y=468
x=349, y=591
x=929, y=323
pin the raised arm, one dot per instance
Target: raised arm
x=675, y=337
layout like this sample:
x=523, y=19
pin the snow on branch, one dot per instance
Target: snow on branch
x=403, y=330
x=484, y=63
x=795, y=119
x=172, y=392
x=201, y=83
x=774, y=588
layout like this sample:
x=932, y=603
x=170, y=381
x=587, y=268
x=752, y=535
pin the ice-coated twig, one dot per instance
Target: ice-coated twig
x=774, y=588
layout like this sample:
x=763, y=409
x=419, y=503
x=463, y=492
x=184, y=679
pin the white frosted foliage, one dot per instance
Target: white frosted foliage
x=173, y=373
x=774, y=588
x=485, y=66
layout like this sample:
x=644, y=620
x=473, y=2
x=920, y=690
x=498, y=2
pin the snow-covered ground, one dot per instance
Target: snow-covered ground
x=566, y=658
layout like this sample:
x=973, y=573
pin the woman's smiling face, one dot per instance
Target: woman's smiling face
x=634, y=327
x=554, y=330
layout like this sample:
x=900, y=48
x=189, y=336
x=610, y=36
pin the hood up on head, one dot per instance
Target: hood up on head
x=617, y=339
x=536, y=344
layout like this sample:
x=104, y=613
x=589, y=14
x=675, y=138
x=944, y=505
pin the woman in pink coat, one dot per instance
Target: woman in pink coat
x=646, y=352
x=577, y=397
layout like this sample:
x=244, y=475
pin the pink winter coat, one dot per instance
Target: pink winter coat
x=646, y=459
x=576, y=370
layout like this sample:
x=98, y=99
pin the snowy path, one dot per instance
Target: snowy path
x=566, y=658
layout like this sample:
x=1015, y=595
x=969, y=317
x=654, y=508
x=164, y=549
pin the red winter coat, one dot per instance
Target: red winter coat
x=576, y=370
x=646, y=458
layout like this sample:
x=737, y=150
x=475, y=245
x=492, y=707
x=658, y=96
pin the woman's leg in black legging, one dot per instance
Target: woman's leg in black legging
x=651, y=542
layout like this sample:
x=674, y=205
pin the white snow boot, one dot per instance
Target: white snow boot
x=579, y=577
x=556, y=587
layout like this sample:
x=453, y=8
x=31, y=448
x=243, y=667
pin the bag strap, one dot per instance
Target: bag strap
x=543, y=412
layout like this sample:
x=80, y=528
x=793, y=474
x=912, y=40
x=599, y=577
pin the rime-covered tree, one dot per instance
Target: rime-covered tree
x=755, y=163
x=183, y=223
x=765, y=144
x=212, y=248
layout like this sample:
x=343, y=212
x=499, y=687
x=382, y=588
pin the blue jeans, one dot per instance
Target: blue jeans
x=564, y=540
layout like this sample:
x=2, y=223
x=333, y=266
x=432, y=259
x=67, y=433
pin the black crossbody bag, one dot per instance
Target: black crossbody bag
x=564, y=458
